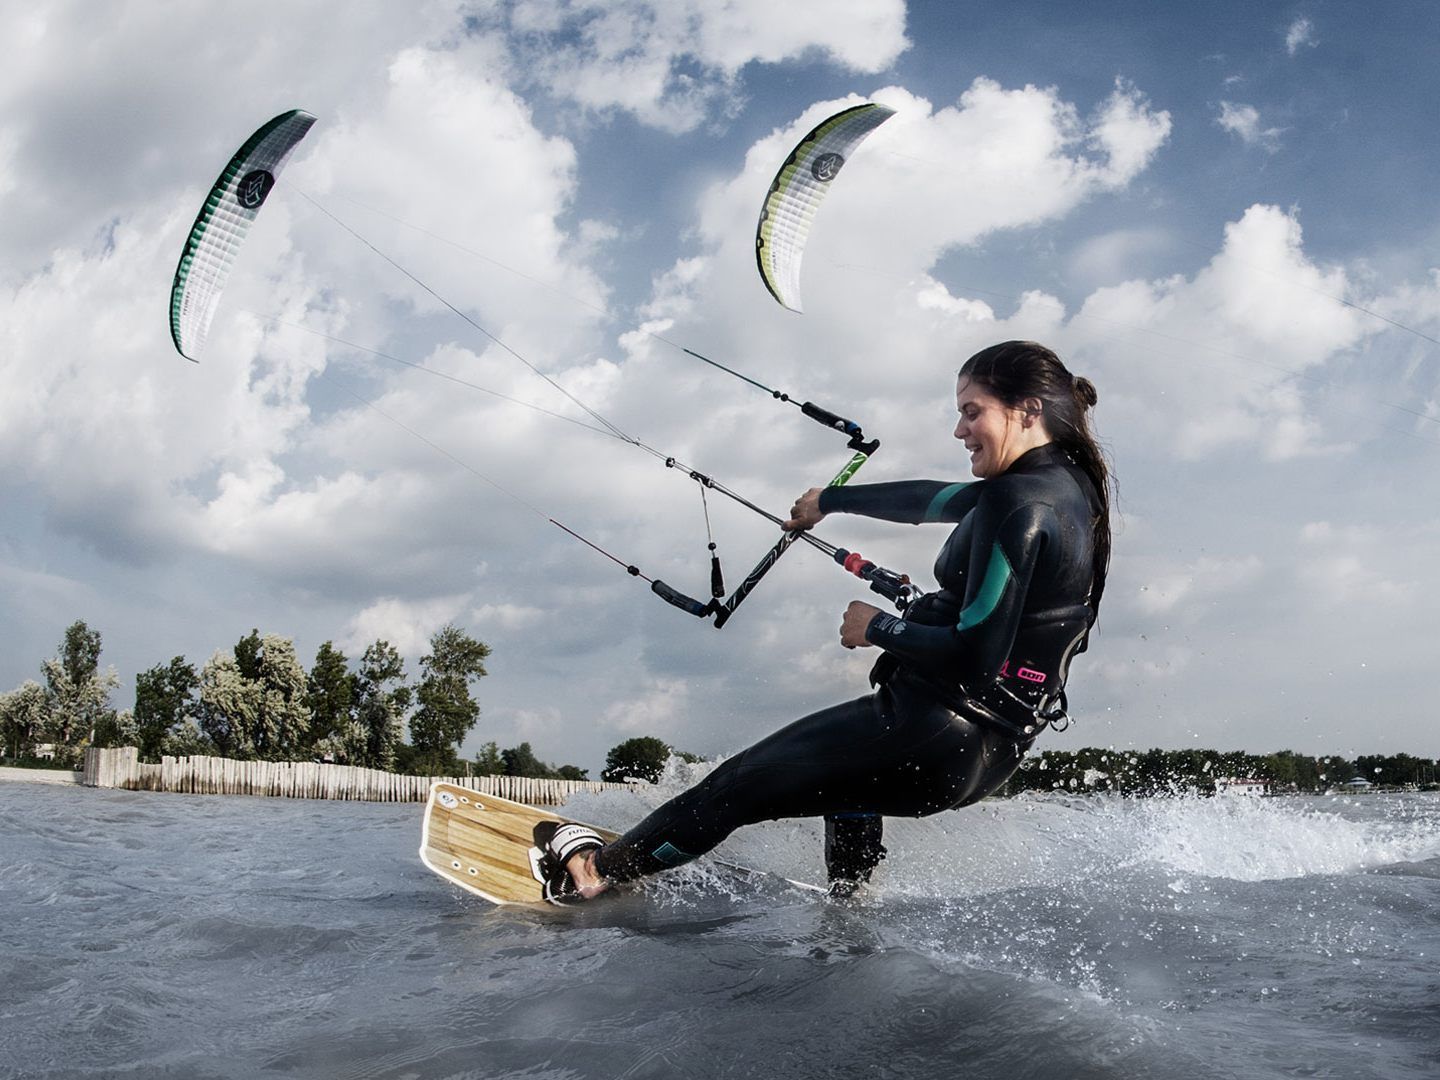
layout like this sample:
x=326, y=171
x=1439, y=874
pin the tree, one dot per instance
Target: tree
x=263, y=715
x=521, y=761
x=186, y=740
x=24, y=713
x=229, y=707
x=381, y=700
x=77, y=691
x=489, y=762
x=330, y=694
x=116, y=729
x=640, y=758
x=284, y=727
x=247, y=655
x=164, y=698
x=446, y=710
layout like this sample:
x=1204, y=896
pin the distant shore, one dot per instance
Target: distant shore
x=41, y=776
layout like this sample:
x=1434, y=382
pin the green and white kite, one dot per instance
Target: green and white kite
x=221, y=225
x=797, y=190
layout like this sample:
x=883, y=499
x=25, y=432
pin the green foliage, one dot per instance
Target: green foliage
x=263, y=715
x=521, y=761
x=116, y=729
x=23, y=715
x=381, y=701
x=186, y=739
x=229, y=706
x=446, y=710
x=1189, y=772
x=247, y=655
x=641, y=758
x=164, y=699
x=489, y=762
x=330, y=694
x=77, y=693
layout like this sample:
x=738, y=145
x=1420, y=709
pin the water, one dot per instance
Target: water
x=148, y=935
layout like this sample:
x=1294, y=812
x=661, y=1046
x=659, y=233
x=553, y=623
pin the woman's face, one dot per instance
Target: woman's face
x=994, y=433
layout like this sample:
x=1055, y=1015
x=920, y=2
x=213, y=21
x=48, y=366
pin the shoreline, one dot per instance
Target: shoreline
x=42, y=776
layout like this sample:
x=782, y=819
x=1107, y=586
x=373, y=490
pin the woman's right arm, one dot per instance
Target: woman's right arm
x=909, y=502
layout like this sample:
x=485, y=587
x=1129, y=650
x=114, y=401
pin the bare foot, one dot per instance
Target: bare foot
x=588, y=881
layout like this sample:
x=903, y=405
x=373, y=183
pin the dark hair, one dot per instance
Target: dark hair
x=1016, y=370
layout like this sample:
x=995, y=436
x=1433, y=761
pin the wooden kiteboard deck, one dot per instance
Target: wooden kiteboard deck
x=484, y=843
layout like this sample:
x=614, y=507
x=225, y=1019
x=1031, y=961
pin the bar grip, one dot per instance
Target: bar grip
x=829, y=419
x=680, y=600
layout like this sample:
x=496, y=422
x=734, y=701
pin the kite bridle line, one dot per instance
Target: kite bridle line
x=894, y=586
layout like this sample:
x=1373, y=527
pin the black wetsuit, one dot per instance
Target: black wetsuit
x=965, y=677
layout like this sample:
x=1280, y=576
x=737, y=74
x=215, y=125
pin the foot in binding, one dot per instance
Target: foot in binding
x=852, y=850
x=563, y=861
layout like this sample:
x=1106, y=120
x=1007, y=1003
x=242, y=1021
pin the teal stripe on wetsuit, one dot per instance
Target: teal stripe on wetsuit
x=936, y=509
x=998, y=574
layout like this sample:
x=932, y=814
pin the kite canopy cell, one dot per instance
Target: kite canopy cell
x=797, y=190
x=223, y=221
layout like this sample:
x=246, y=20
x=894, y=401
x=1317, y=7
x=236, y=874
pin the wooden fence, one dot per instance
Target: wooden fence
x=121, y=768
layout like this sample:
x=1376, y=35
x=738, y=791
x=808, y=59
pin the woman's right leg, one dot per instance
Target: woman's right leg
x=784, y=775
x=892, y=752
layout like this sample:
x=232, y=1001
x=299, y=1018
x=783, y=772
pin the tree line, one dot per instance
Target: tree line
x=257, y=701
x=1181, y=772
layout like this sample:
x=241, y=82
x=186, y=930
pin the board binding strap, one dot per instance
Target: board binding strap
x=489, y=846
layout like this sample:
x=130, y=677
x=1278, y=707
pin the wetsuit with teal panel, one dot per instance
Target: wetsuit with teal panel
x=961, y=678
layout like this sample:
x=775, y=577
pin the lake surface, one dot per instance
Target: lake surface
x=151, y=935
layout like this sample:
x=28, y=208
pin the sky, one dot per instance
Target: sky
x=1224, y=216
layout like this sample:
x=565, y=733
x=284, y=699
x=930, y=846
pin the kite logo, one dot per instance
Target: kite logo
x=253, y=188
x=825, y=167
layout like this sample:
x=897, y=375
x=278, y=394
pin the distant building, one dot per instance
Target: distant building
x=1237, y=785
x=1357, y=784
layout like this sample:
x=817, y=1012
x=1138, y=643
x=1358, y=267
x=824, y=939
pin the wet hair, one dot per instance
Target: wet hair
x=1016, y=370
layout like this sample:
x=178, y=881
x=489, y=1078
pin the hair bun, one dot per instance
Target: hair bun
x=1085, y=393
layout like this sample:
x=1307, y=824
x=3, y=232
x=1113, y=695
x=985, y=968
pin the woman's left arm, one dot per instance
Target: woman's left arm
x=1006, y=543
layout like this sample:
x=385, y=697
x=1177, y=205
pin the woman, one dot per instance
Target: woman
x=967, y=676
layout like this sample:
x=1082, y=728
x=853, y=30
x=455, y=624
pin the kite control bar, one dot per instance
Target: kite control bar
x=885, y=582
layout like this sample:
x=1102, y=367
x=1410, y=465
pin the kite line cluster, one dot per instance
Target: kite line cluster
x=243, y=186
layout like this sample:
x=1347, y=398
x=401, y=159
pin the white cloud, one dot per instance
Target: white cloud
x=1129, y=132
x=1113, y=256
x=1218, y=352
x=1199, y=582
x=1301, y=34
x=674, y=63
x=1244, y=121
x=407, y=624
x=1351, y=569
x=657, y=709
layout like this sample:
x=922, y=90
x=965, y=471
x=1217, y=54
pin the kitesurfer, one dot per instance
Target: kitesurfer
x=968, y=675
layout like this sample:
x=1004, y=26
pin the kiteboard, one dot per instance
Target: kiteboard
x=487, y=846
